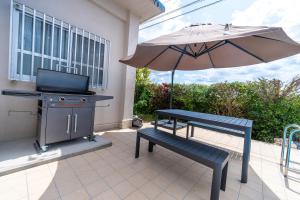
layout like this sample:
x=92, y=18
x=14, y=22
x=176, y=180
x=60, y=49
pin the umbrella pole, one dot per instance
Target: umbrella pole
x=171, y=94
x=171, y=89
x=172, y=78
x=172, y=83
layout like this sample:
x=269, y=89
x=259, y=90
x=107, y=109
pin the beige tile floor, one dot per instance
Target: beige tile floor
x=113, y=173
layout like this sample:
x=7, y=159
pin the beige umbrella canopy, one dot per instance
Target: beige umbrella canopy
x=205, y=46
x=213, y=46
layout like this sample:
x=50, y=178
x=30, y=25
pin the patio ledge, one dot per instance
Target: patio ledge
x=21, y=154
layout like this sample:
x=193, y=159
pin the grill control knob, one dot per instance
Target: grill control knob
x=61, y=99
x=83, y=99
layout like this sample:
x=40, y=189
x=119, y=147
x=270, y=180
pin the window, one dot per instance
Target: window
x=41, y=41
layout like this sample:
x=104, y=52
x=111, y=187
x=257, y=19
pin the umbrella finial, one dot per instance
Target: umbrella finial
x=228, y=27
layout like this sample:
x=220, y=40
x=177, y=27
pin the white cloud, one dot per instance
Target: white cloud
x=283, y=13
x=278, y=13
x=160, y=77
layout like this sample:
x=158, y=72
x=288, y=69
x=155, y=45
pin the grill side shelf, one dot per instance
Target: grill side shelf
x=100, y=97
x=22, y=93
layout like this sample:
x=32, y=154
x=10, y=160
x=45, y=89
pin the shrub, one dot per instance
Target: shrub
x=270, y=103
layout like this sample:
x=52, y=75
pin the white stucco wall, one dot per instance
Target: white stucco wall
x=93, y=18
x=129, y=78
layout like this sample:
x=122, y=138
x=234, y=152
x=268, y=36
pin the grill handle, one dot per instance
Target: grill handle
x=68, y=123
x=75, y=124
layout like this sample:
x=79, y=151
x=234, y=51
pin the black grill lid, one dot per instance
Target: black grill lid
x=61, y=82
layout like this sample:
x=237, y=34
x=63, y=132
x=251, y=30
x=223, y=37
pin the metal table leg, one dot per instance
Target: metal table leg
x=187, y=131
x=137, y=146
x=156, y=120
x=174, y=126
x=246, y=155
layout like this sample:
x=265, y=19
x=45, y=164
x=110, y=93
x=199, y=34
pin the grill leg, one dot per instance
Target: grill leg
x=150, y=146
x=224, y=177
x=137, y=146
x=91, y=138
x=216, y=184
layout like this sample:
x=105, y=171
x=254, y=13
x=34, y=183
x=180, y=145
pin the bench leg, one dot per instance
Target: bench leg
x=150, y=146
x=216, y=184
x=192, y=133
x=224, y=177
x=137, y=146
x=187, y=131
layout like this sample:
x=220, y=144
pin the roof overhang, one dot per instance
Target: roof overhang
x=144, y=9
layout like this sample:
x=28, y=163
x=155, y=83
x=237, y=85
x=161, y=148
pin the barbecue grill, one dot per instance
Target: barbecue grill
x=66, y=107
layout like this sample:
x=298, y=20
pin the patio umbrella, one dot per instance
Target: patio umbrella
x=205, y=46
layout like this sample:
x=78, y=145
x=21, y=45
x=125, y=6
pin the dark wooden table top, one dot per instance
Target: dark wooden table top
x=218, y=120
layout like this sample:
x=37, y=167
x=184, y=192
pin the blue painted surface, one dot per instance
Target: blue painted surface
x=286, y=132
x=288, y=153
x=159, y=4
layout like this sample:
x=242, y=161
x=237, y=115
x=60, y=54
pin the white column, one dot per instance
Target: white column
x=129, y=78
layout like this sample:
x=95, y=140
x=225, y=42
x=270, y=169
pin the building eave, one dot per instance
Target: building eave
x=143, y=9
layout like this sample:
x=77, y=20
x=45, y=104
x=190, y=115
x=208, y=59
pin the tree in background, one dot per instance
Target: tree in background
x=143, y=91
x=270, y=103
x=143, y=76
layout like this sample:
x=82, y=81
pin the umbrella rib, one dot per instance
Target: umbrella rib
x=179, y=59
x=219, y=44
x=201, y=48
x=213, y=65
x=262, y=37
x=191, y=49
x=163, y=51
x=178, y=49
x=245, y=51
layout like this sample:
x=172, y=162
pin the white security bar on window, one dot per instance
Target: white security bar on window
x=42, y=41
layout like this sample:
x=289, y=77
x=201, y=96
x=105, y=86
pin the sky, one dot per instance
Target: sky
x=282, y=13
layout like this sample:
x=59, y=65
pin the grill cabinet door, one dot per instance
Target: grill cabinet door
x=82, y=122
x=59, y=124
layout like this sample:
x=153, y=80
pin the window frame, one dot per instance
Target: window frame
x=16, y=65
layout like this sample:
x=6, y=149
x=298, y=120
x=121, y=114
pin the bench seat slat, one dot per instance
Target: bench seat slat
x=199, y=152
x=177, y=142
x=204, y=151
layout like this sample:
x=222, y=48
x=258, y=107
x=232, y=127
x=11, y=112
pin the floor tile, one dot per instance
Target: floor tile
x=138, y=180
x=137, y=195
x=96, y=188
x=108, y=195
x=176, y=190
x=124, y=189
x=113, y=179
x=114, y=173
x=151, y=190
x=76, y=195
x=165, y=196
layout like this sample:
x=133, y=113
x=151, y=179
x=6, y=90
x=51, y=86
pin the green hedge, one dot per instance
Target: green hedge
x=270, y=103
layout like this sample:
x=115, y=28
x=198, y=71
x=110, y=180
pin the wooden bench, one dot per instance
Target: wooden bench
x=212, y=157
x=213, y=128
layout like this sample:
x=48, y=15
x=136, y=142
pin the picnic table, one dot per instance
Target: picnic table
x=238, y=124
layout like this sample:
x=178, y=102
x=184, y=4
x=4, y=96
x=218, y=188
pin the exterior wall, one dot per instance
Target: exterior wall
x=129, y=78
x=18, y=115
